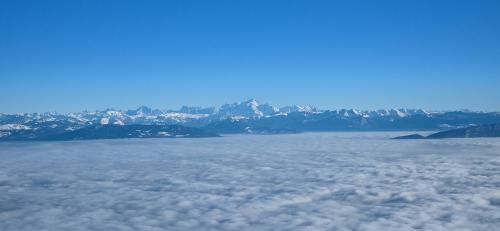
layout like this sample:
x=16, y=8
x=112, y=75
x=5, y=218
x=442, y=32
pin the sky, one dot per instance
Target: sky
x=66, y=56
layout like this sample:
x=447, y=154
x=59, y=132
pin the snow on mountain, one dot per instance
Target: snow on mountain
x=382, y=113
x=104, y=121
x=14, y=127
x=260, y=115
x=177, y=117
x=295, y=108
x=249, y=109
x=143, y=111
x=197, y=110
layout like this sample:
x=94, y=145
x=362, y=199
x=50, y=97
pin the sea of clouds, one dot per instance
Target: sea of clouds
x=312, y=181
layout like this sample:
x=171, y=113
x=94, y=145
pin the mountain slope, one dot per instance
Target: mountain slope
x=108, y=131
x=240, y=126
x=258, y=117
x=488, y=130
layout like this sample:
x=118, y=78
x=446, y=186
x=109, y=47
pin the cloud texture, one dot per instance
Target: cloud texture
x=315, y=181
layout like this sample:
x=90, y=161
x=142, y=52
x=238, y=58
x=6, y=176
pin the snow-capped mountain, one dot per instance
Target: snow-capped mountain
x=295, y=108
x=247, y=109
x=250, y=116
x=107, y=131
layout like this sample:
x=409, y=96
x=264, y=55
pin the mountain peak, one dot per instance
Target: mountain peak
x=145, y=110
x=251, y=102
x=255, y=114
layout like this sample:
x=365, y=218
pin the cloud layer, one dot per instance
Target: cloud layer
x=315, y=181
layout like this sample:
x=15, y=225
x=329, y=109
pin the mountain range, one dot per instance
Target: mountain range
x=249, y=117
x=108, y=131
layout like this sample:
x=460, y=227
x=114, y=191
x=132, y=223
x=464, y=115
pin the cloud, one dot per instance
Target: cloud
x=314, y=181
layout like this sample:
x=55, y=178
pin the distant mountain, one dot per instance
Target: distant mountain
x=248, y=109
x=252, y=116
x=240, y=126
x=108, y=131
x=489, y=130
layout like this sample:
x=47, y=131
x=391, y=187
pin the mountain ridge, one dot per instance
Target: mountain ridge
x=485, y=130
x=108, y=131
x=251, y=116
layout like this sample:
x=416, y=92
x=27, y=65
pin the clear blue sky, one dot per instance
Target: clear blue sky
x=75, y=55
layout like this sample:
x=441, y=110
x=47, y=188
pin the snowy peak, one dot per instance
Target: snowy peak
x=398, y=113
x=197, y=110
x=295, y=108
x=143, y=111
x=249, y=109
x=256, y=115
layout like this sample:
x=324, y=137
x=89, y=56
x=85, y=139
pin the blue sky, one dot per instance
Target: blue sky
x=75, y=55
